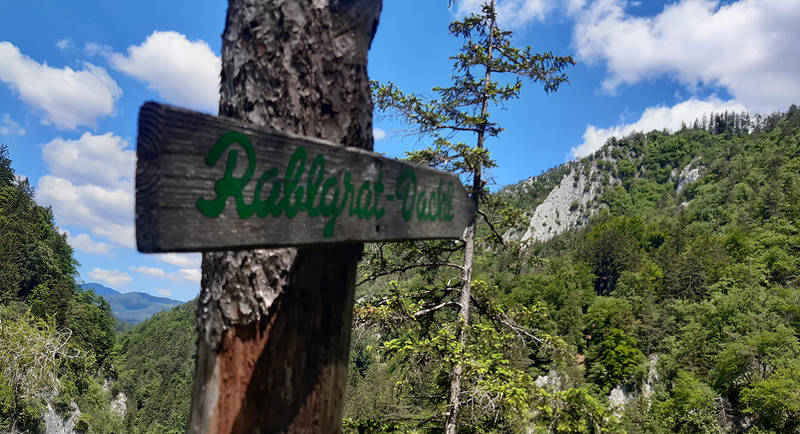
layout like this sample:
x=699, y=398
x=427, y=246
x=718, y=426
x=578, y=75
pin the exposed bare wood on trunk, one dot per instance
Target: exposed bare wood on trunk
x=275, y=324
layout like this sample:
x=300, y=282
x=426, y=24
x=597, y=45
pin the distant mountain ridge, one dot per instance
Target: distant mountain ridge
x=131, y=307
x=100, y=289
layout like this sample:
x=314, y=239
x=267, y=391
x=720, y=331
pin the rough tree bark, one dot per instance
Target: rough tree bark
x=274, y=325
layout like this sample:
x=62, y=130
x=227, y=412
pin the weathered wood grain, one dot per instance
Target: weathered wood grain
x=359, y=196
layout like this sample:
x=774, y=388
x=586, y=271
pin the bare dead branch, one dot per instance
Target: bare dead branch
x=439, y=306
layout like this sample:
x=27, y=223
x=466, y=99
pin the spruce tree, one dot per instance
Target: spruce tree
x=488, y=71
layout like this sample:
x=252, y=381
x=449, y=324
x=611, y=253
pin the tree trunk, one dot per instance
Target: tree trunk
x=456, y=372
x=274, y=325
x=454, y=402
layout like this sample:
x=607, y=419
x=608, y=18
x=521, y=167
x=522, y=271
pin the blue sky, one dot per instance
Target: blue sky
x=73, y=75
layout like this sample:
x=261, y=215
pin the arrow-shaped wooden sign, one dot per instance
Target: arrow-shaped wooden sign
x=210, y=183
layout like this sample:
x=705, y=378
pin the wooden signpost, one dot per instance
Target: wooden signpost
x=212, y=183
x=207, y=183
x=274, y=323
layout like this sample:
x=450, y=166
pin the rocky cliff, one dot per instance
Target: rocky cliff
x=567, y=196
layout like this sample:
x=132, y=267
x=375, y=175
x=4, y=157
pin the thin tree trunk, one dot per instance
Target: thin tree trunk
x=274, y=325
x=454, y=402
x=456, y=372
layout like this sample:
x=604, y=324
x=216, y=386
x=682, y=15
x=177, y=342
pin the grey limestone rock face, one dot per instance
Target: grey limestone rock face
x=552, y=381
x=564, y=208
x=118, y=405
x=691, y=173
x=725, y=417
x=56, y=424
x=620, y=396
x=652, y=376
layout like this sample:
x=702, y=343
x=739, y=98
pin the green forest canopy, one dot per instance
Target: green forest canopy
x=689, y=297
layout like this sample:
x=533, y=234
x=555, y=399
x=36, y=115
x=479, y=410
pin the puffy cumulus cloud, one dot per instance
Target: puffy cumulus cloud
x=111, y=277
x=654, y=118
x=149, y=271
x=190, y=274
x=98, y=159
x=185, y=260
x=9, y=127
x=66, y=97
x=184, y=72
x=90, y=185
x=163, y=292
x=747, y=47
x=511, y=13
x=85, y=243
x=107, y=212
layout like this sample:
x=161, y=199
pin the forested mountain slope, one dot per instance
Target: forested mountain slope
x=156, y=369
x=568, y=195
x=56, y=341
x=670, y=305
x=673, y=307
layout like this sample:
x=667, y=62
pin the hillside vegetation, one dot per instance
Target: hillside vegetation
x=671, y=305
x=156, y=369
x=56, y=341
x=674, y=308
x=667, y=311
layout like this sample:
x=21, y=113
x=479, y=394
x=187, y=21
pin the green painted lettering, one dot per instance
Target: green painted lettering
x=363, y=201
x=406, y=191
x=377, y=187
x=290, y=195
x=294, y=171
x=264, y=207
x=315, y=175
x=229, y=185
x=330, y=209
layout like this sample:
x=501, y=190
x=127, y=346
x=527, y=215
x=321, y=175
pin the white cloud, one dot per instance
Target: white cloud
x=120, y=234
x=107, y=212
x=64, y=44
x=91, y=185
x=574, y=6
x=654, y=118
x=163, y=292
x=67, y=98
x=190, y=274
x=9, y=127
x=94, y=49
x=97, y=159
x=85, y=243
x=747, y=47
x=184, y=72
x=185, y=260
x=511, y=13
x=150, y=271
x=378, y=134
x=111, y=277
